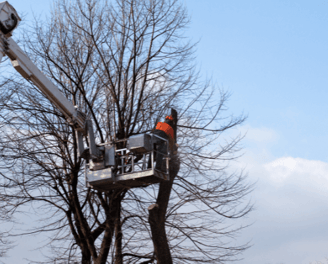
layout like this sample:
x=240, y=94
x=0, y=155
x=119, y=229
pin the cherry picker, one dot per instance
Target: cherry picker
x=106, y=166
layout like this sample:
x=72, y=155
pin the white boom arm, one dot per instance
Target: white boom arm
x=9, y=20
x=30, y=72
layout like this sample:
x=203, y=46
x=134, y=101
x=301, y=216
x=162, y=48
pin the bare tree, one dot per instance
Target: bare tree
x=5, y=214
x=125, y=63
x=5, y=242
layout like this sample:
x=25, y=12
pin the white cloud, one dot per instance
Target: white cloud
x=301, y=172
x=291, y=201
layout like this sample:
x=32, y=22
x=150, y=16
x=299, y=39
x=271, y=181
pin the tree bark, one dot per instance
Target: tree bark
x=157, y=214
x=118, y=237
x=86, y=258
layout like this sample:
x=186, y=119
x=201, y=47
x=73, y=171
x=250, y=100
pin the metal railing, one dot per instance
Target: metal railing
x=125, y=159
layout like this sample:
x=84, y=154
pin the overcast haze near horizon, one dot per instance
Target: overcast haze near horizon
x=272, y=56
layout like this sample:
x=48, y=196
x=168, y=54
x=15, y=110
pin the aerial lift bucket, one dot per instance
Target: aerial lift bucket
x=138, y=165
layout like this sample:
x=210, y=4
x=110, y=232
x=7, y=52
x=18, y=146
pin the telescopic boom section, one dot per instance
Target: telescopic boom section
x=9, y=20
x=30, y=72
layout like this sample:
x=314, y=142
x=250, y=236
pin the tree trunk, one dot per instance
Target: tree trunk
x=113, y=216
x=157, y=213
x=86, y=259
x=157, y=225
x=118, y=238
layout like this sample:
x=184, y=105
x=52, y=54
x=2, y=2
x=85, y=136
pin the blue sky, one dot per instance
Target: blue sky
x=272, y=56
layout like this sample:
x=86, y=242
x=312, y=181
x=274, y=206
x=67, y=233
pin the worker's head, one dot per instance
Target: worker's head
x=169, y=120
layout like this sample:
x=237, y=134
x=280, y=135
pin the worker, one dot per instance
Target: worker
x=167, y=130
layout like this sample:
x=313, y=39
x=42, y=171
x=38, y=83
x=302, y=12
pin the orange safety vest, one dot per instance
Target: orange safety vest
x=166, y=128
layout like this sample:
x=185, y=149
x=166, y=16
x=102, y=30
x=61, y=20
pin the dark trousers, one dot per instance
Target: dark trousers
x=161, y=150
